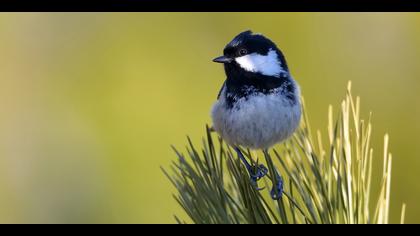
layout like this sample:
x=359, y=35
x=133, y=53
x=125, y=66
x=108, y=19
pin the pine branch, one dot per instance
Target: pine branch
x=325, y=182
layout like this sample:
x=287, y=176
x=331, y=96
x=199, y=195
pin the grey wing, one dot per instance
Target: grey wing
x=220, y=92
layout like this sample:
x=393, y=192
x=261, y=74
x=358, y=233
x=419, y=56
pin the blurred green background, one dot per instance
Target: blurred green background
x=90, y=103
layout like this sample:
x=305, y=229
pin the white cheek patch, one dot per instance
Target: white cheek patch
x=269, y=64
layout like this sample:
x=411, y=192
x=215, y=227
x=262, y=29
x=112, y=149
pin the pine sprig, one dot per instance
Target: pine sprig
x=325, y=182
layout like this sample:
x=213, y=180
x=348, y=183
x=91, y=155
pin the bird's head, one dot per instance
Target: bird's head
x=251, y=54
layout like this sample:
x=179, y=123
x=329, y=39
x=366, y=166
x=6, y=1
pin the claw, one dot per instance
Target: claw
x=255, y=184
x=277, y=191
x=255, y=172
x=260, y=171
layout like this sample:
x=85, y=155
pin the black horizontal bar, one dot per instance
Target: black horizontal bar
x=211, y=5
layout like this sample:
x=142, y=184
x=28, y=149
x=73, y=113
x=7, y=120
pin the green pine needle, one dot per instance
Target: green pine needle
x=325, y=181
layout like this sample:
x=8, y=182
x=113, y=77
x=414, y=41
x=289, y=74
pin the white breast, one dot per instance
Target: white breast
x=257, y=122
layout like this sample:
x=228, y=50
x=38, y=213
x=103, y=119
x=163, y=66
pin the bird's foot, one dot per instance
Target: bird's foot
x=256, y=172
x=278, y=185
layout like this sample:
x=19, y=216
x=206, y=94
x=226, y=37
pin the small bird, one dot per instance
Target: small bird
x=259, y=104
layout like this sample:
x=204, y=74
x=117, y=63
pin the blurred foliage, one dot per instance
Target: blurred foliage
x=91, y=102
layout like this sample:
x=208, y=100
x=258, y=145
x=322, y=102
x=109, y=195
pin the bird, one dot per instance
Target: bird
x=259, y=104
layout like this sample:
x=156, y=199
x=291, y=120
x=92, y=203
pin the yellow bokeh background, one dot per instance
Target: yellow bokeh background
x=91, y=102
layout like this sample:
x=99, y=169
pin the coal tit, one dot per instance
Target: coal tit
x=259, y=103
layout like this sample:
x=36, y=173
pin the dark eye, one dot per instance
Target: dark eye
x=243, y=52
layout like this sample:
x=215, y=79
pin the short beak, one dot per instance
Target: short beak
x=222, y=59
